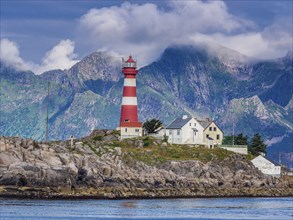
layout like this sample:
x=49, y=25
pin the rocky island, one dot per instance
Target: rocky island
x=102, y=166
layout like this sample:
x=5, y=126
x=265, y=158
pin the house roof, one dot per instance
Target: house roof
x=131, y=124
x=275, y=163
x=204, y=124
x=178, y=123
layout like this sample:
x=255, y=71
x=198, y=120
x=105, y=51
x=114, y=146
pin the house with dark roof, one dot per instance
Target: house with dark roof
x=189, y=130
x=185, y=130
x=212, y=134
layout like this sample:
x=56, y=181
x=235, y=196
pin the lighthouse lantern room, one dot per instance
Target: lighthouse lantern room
x=129, y=124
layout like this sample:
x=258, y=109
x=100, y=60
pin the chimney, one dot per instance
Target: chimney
x=184, y=116
x=208, y=119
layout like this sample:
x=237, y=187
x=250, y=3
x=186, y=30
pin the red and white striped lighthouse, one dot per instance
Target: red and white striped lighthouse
x=129, y=124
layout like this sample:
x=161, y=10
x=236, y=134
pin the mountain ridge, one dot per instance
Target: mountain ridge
x=183, y=80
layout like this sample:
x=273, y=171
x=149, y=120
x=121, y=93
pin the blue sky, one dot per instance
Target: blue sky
x=42, y=35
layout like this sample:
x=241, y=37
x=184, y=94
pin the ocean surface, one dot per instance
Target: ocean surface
x=207, y=208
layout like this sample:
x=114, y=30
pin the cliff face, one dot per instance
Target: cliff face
x=102, y=167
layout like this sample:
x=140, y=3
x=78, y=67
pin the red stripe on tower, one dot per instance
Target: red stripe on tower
x=129, y=115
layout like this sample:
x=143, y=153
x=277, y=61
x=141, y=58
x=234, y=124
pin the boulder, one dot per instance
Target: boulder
x=138, y=143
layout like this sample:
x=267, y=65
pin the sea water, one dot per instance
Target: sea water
x=197, y=208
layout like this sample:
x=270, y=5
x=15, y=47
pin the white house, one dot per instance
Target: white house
x=266, y=166
x=185, y=130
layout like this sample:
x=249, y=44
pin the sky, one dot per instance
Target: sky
x=41, y=35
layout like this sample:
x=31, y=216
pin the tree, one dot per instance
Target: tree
x=152, y=125
x=241, y=140
x=257, y=145
x=227, y=140
x=238, y=140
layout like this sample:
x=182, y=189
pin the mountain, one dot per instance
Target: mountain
x=255, y=95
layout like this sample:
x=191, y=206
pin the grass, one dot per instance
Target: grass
x=250, y=156
x=154, y=155
x=92, y=148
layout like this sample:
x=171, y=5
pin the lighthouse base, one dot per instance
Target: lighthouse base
x=130, y=130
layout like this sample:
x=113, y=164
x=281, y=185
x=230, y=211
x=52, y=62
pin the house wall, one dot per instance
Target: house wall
x=191, y=137
x=130, y=132
x=187, y=135
x=266, y=167
x=160, y=134
x=173, y=136
x=213, y=134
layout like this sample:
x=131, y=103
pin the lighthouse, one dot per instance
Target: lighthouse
x=129, y=124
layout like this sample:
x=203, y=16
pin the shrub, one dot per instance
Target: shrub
x=98, y=138
x=165, y=138
x=146, y=143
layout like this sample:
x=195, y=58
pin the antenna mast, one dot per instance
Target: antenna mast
x=233, y=122
x=47, y=117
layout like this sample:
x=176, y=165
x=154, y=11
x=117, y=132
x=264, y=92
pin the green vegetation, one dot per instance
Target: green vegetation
x=238, y=140
x=153, y=154
x=151, y=151
x=92, y=148
x=152, y=125
x=98, y=138
x=255, y=147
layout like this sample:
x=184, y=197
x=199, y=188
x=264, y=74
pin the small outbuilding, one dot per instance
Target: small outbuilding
x=266, y=166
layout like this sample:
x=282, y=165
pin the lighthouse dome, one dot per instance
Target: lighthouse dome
x=129, y=62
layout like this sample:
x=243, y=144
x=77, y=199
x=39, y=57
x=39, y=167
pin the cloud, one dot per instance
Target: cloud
x=60, y=56
x=145, y=30
x=9, y=54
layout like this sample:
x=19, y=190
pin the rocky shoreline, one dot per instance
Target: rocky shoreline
x=101, y=167
x=140, y=193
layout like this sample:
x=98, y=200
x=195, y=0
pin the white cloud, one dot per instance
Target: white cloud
x=274, y=140
x=9, y=54
x=145, y=30
x=60, y=56
x=251, y=44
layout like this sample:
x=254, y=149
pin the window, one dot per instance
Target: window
x=170, y=132
x=218, y=137
x=211, y=146
x=126, y=120
x=215, y=128
x=178, y=132
x=194, y=124
x=207, y=136
x=136, y=130
x=210, y=128
x=125, y=129
x=189, y=124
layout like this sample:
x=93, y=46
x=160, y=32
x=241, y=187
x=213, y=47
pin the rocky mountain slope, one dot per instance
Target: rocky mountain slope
x=223, y=85
x=100, y=166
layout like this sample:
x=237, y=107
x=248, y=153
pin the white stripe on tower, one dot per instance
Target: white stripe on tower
x=129, y=100
x=129, y=82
